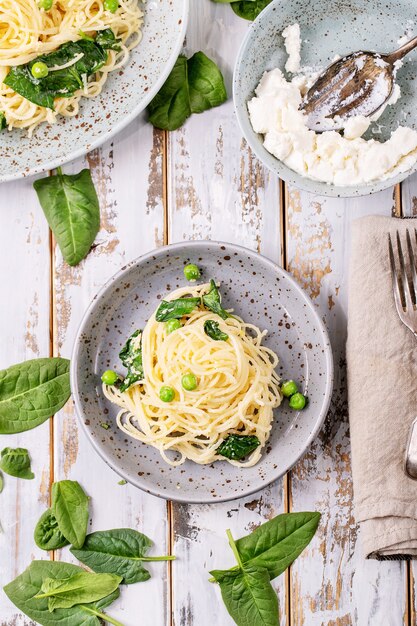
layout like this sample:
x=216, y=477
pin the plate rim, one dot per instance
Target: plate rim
x=328, y=354
x=114, y=130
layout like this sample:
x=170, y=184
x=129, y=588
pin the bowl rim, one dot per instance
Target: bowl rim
x=322, y=333
x=114, y=130
x=276, y=166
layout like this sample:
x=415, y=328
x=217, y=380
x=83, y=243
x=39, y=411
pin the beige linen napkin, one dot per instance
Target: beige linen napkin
x=382, y=384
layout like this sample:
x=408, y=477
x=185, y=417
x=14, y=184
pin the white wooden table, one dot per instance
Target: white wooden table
x=201, y=182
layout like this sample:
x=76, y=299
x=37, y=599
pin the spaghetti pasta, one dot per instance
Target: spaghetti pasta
x=27, y=31
x=237, y=391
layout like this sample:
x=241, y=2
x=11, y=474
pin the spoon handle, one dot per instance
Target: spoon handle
x=401, y=52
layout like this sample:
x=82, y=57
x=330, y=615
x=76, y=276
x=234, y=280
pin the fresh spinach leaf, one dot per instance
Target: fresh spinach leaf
x=213, y=301
x=131, y=357
x=193, y=86
x=31, y=392
x=70, y=507
x=71, y=206
x=212, y=329
x=120, y=551
x=3, y=121
x=1, y=482
x=23, y=589
x=175, y=309
x=236, y=447
x=69, y=66
x=249, y=596
x=80, y=588
x=16, y=462
x=47, y=534
x=249, y=9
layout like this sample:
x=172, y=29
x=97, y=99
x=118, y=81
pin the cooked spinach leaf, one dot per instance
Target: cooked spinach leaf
x=212, y=329
x=69, y=67
x=213, y=301
x=175, y=309
x=120, y=551
x=236, y=447
x=3, y=121
x=131, y=357
x=70, y=507
x=47, y=534
x=31, y=392
x=193, y=86
x=71, y=206
x=16, y=462
x=80, y=588
x=249, y=9
x=23, y=589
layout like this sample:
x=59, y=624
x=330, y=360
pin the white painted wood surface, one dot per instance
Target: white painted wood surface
x=199, y=182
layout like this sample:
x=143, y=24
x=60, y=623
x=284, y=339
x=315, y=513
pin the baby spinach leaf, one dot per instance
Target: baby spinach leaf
x=31, y=392
x=3, y=121
x=213, y=301
x=16, y=462
x=71, y=206
x=212, y=329
x=23, y=589
x=249, y=596
x=70, y=507
x=131, y=357
x=80, y=588
x=236, y=447
x=120, y=551
x=47, y=534
x=107, y=40
x=175, y=309
x=193, y=86
x=1, y=482
x=249, y=9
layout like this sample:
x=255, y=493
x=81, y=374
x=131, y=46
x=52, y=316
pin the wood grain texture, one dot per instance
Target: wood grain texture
x=24, y=334
x=331, y=582
x=128, y=179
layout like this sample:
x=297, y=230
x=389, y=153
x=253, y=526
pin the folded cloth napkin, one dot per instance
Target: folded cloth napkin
x=382, y=390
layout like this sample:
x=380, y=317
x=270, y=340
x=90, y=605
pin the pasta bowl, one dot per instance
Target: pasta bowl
x=126, y=94
x=258, y=291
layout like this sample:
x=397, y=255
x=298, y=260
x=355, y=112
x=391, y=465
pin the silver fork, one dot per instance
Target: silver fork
x=405, y=296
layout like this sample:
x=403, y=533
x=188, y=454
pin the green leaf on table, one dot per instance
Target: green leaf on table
x=23, y=589
x=131, y=357
x=236, y=447
x=212, y=329
x=70, y=507
x=47, y=535
x=16, y=462
x=249, y=9
x=32, y=391
x=249, y=596
x=213, y=301
x=80, y=588
x=193, y=86
x=120, y=551
x=71, y=206
x=1, y=482
x=175, y=309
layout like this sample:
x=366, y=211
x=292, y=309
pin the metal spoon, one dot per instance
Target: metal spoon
x=358, y=84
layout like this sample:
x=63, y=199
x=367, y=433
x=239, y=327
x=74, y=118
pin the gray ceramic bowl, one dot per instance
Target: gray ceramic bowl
x=124, y=96
x=261, y=293
x=327, y=29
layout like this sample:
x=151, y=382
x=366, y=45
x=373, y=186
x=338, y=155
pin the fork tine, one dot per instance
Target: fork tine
x=412, y=263
x=404, y=279
x=395, y=284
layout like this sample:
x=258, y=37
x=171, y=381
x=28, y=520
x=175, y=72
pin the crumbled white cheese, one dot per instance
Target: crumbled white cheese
x=330, y=156
x=292, y=41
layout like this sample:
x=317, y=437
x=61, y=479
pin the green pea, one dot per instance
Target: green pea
x=298, y=401
x=172, y=325
x=189, y=382
x=191, y=272
x=39, y=70
x=111, y=5
x=289, y=388
x=109, y=377
x=167, y=394
x=45, y=4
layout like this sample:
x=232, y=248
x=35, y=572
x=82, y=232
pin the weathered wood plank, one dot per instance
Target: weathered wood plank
x=218, y=190
x=129, y=180
x=331, y=582
x=24, y=334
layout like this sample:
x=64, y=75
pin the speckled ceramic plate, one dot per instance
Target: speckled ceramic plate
x=261, y=293
x=124, y=96
x=328, y=29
